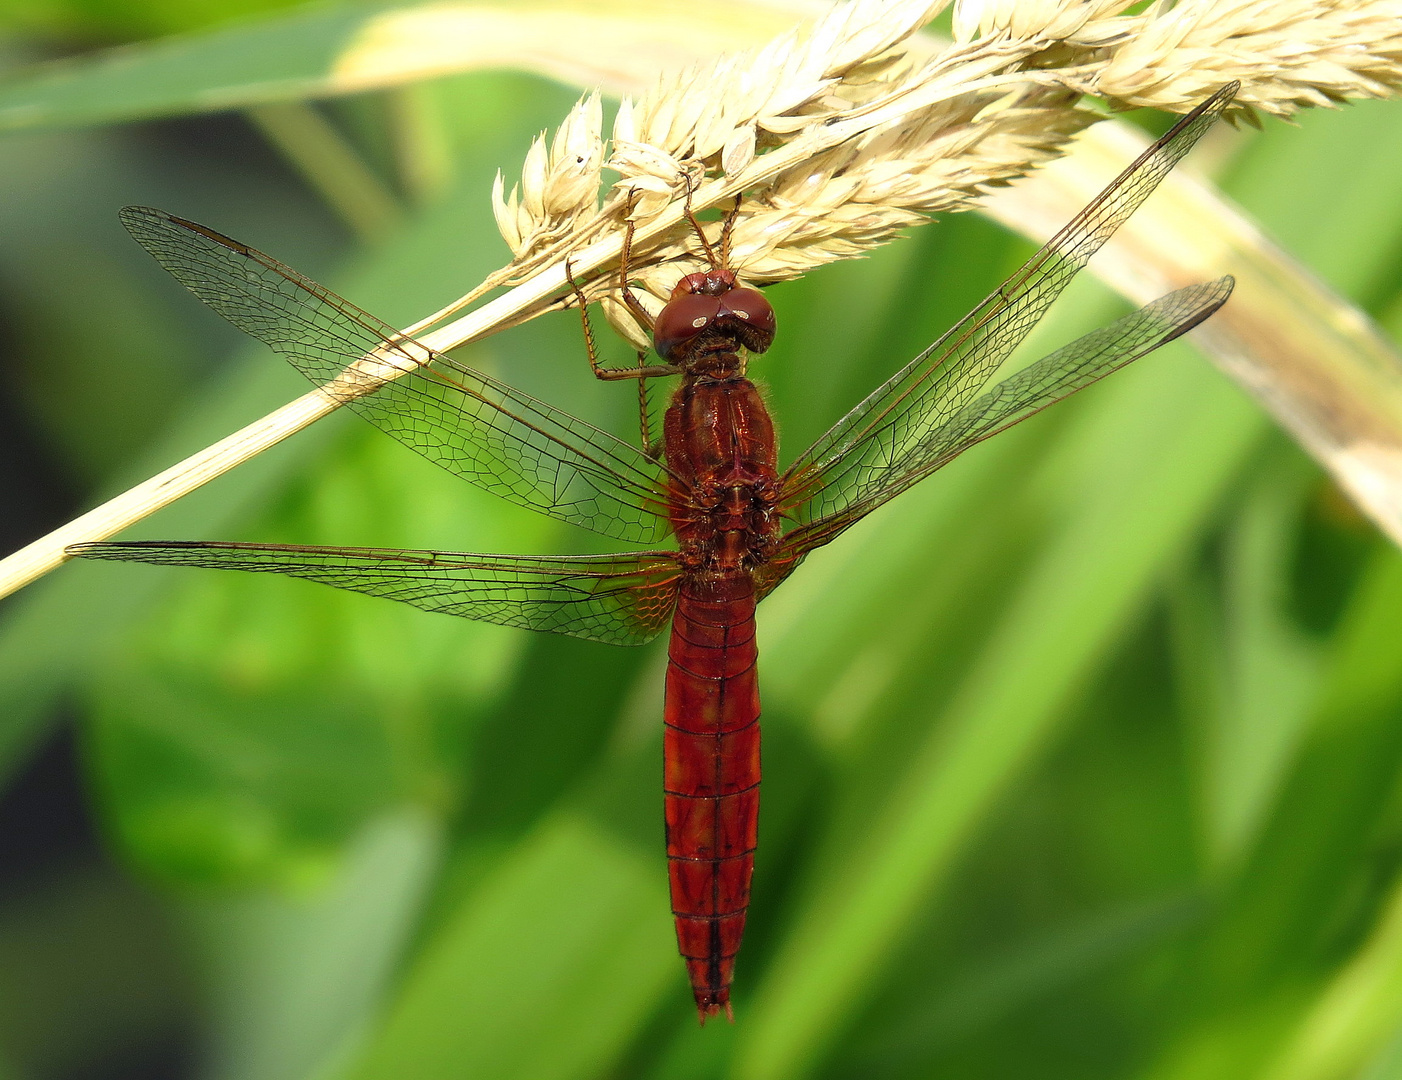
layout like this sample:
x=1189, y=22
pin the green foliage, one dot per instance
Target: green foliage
x=1082, y=759
x=119, y=20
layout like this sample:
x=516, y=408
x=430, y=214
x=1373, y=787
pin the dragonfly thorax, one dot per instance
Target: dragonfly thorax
x=720, y=445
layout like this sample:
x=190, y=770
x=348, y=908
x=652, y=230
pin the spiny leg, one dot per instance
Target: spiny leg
x=650, y=448
x=625, y=290
x=700, y=232
x=642, y=371
x=727, y=231
x=589, y=345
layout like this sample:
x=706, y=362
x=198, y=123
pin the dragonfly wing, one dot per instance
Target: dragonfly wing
x=484, y=431
x=776, y=571
x=1052, y=378
x=875, y=441
x=616, y=599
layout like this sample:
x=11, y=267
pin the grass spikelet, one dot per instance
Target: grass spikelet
x=1003, y=98
x=1289, y=54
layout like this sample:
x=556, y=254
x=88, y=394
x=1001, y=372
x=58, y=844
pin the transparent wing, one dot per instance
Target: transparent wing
x=616, y=599
x=1052, y=378
x=776, y=571
x=879, y=442
x=484, y=431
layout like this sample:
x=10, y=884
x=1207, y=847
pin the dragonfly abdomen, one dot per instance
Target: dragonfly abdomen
x=711, y=769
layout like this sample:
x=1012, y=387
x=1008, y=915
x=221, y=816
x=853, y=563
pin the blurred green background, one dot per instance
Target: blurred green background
x=1082, y=760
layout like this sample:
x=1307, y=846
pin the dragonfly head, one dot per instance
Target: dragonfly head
x=710, y=313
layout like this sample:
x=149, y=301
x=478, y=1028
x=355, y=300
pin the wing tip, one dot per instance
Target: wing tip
x=1225, y=94
x=143, y=223
x=137, y=217
x=1214, y=295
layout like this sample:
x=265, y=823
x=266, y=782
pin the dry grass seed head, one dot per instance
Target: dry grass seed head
x=1004, y=99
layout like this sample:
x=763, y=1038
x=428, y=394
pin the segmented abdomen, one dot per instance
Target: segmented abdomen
x=711, y=766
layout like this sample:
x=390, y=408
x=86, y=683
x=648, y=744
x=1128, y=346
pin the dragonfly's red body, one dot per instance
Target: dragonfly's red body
x=741, y=523
x=720, y=443
x=711, y=776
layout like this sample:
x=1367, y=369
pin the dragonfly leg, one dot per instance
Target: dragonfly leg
x=644, y=431
x=624, y=258
x=728, y=231
x=641, y=371
x=650, y=448
x=700, y=232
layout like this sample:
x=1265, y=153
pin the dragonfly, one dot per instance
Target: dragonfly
x=740, y=525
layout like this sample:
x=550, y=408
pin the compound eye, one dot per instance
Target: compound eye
x=682, y=319
x=753, y=318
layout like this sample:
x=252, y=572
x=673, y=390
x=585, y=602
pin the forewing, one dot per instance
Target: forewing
x=874, y=444
x=484, y=431
x=616, y=599
x=1049, y=380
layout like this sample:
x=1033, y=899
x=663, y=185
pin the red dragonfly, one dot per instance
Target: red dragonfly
x=741, y=525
